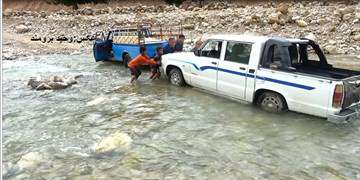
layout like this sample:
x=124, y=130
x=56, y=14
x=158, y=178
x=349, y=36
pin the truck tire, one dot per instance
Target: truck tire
x=176, y=77
x=272, y=102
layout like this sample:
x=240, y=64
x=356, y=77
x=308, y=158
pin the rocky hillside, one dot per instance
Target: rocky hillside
x=335, y=25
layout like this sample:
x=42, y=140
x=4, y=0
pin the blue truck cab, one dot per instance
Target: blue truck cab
x=123, y=44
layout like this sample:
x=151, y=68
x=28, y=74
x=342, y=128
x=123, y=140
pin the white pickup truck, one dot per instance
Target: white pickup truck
x=277, y=74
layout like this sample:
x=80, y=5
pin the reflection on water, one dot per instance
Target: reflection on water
x=106, y=128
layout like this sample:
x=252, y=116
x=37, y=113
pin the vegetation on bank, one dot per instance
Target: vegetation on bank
x=75, y=3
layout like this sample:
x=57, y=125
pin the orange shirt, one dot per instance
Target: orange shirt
x=141, y=60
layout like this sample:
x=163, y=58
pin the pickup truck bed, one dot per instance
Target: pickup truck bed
x=331, y=73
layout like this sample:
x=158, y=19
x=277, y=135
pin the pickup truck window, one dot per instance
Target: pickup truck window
x=238, y=52
x=212, y=49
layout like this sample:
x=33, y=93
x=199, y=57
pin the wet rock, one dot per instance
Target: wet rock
x=301, y=23
x=30, y=160
x=116, y=141
x=22, y=29
x=54, y=83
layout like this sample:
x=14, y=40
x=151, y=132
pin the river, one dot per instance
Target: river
x=105, y=128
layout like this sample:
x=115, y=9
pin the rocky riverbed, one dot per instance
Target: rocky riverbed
x=335, y=25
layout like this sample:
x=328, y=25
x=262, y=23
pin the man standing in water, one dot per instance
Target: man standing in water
x=141, y=60
x=156, y=68
x=170, y=47
x=180, y=43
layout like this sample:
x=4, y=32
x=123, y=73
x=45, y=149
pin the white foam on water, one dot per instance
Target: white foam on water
x=95, y=101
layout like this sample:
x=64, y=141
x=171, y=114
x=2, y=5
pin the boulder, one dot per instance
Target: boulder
x=347, y=17
x=53, y=83
x=117, y=141
x=357, y=37
x=311, y=36
x=43, y=14
x=22, y=29
x=330, y=49
x=8, y=12
x=301, y=23
x=88, y=11
x=283, y=8
x=273, y=18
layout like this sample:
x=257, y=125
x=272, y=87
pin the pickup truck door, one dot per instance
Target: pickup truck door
x=204, y=70
x=232, y=71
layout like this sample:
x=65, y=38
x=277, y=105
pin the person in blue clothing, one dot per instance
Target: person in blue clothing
x=170, y=47
x=180, y=43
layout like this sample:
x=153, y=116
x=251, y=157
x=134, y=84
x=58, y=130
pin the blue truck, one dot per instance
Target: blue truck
x=123, y=44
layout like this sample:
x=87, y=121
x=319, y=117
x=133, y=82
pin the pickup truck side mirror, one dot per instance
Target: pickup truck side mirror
x=197, y=52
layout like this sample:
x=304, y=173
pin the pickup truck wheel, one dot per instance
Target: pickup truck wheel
x=176, y=78
x=272, y=102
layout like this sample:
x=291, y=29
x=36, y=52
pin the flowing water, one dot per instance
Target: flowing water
x=105, y=128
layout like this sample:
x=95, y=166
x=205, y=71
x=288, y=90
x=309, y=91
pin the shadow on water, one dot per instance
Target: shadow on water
x=177, y=133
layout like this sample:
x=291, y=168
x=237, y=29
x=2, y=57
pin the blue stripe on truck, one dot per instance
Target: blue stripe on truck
x=286, y=83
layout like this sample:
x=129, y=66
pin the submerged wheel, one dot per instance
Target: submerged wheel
x=176, y=77
x=272, y=102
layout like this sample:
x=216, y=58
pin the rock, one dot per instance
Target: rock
x=54, y=83
x=88, y=11
x=9, y=56
x=43, y=14
x=30, y=160
x=283, y=8
x=330, y=49
x=347, y=10
x=8, y=12
x=22, y=29
x=347, y=17
x=273, y=18
x=357, y=37
x=255, y=18
x=116, y=141
x=301, y=23
x=311, y=36
x=189, y=26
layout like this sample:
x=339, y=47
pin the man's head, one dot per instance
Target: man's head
x=142, y=50
x=181, y=39
x=172, y=42
x=159, y=50
x=198, y=44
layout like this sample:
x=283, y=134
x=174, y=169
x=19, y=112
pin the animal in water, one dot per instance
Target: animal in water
x=53, y=83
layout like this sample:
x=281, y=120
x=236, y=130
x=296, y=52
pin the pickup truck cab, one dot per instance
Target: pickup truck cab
x=277, y=74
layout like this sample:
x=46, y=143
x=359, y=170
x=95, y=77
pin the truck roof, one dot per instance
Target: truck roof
x=252, y=38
